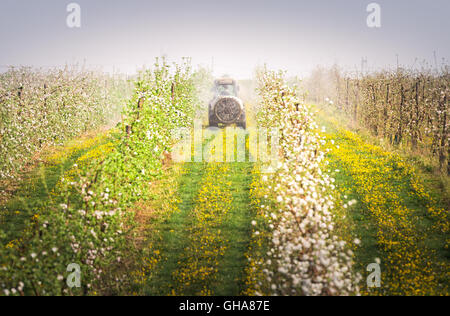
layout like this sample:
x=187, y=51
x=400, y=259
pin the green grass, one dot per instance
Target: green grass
x=362, y=223
x=167, y=232
x=172, y=231
x=172, y=239
x=359, y=216
x=237, y=230
x=32, y=193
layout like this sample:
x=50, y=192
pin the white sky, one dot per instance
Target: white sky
x=233, y=35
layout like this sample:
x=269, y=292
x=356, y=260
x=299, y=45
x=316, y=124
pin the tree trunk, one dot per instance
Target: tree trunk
x=415, y=125
x=399, y=134
x=385, y=111
x=374, y=123
x=442, y=152
x=355, y=107
x=346, y=96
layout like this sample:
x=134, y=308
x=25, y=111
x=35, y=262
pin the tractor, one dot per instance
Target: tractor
x=226, y=108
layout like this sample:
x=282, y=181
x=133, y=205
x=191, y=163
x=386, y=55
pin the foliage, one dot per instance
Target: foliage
x=86, y=222
x=44, y=108
x=304, y=256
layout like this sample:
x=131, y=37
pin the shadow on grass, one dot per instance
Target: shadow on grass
x=33, y=193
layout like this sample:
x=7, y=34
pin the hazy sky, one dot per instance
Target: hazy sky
x=234, y=35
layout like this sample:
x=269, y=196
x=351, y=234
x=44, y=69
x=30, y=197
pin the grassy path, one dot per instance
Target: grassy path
x=173, y=233
x=397, y=220
x=238, y=232
x=203, y=244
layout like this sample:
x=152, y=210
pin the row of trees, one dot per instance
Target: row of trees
x=47, y=107
x=86, y=221
x=406, y=107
